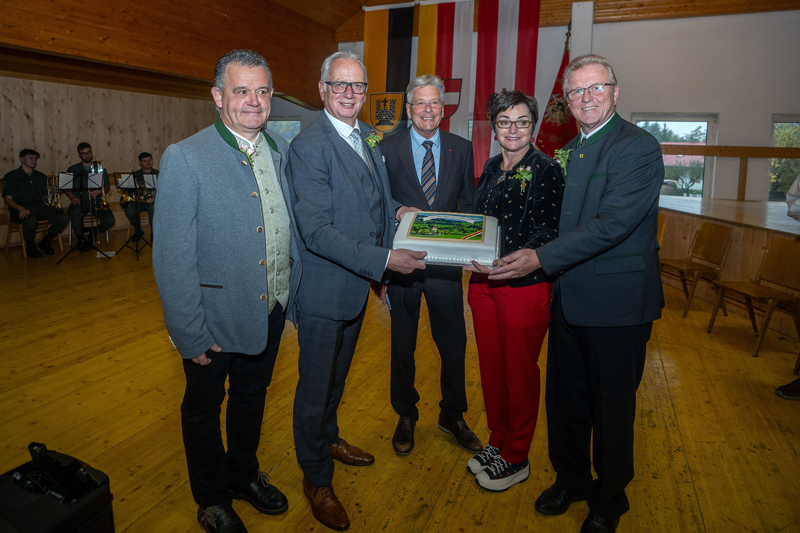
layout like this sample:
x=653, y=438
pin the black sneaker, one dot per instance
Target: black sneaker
x=482, y=459
x=500, y=474
x=790, y=391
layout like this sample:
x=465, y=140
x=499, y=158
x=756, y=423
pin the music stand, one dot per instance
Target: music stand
x=129, y=182
x=73, y=183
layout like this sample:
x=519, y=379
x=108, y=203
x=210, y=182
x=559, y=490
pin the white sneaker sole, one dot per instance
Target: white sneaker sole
x=500, y=485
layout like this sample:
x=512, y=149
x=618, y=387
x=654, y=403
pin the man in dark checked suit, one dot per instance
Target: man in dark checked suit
x=346, y=217
x=432, y=170
x=605, y=300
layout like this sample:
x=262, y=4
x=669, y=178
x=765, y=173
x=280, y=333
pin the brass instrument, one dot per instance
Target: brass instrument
x=53, y=194
x=139, y=194
x=97, y=168
x=129, y=196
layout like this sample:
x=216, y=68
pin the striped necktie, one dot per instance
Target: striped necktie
x=428, y=174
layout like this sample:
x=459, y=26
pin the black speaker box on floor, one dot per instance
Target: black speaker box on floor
x=55, y=493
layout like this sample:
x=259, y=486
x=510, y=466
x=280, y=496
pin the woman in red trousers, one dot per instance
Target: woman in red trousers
x=523, y=189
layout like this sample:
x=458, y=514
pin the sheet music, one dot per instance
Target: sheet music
x=126, y=181
x=65, y=180
x=95, y=181
x=150, y=181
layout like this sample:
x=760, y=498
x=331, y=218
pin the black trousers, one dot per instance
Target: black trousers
x=40, y=212
x=592, y=377
x=326, y=352
x=444, y=297
x=76, y=212
x=133, y=210
x=212, y=471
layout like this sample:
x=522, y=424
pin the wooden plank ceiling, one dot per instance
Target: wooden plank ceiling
x=170, y=46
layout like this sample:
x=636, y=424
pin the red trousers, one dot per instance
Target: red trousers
x=510, y=325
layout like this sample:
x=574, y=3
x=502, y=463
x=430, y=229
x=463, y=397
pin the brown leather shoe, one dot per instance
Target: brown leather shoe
x=464, y=436
x=350, y=455
x=403, y=439
x=326, y=506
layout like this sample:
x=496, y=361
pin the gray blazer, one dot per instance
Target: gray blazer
x=606, y=249
x=207, y=247
x=340, y=248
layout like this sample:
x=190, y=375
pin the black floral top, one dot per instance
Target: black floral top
x=528, y=212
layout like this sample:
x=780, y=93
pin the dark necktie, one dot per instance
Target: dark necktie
x=428, y=174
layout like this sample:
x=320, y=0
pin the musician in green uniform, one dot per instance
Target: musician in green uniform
x=135, y=208
x=25, y=192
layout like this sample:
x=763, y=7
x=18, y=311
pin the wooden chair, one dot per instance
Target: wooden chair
x=662, y=228
x=11, y=226
x=780, y=266
x=130, y=226
x=706, y=260
x=91, y=220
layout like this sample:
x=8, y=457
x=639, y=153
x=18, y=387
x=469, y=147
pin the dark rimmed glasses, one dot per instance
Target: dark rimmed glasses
x=339, y=87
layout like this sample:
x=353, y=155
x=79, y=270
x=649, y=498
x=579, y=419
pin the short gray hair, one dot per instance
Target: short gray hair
x=426, y=80
x=325, y=71
x=588, y=59
x=243, y=58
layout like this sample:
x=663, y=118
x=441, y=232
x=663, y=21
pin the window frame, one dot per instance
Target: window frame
x=709, y=172
x=777, y=118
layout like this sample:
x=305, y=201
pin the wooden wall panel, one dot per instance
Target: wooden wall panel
x=173, y=36
x=748, y=245
x=559, y=12
x=53, y=118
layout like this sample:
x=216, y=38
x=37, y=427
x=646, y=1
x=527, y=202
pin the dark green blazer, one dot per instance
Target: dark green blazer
x=606, y=252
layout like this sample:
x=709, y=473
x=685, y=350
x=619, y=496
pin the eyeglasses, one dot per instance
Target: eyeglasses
x=85, y=153
x=435, y=104
x=506, y=124
x=339, y=87
x=594, y=90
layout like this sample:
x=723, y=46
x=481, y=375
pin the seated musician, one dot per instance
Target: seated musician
x=25, y=192
x=84, y=202
x=133, y=209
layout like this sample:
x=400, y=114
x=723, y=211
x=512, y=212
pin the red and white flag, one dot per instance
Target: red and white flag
x=445, y=49
x=558, y=124
x=508, y=33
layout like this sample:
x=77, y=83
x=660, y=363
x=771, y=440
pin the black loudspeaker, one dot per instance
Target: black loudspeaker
x=55, y=493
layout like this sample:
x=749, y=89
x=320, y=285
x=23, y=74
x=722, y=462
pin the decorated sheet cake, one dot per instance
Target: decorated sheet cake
x=453, y=239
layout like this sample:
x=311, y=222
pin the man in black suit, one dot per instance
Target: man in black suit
x=605, y=300
x=431, y=170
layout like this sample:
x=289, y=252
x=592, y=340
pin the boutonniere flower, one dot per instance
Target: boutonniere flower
x=372, y=139
x=524, y=175
x=249, y=151
x=562, y=157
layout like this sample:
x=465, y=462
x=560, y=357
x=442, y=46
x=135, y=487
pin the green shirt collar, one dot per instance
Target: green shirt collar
x=229, y=139
x=599, y=134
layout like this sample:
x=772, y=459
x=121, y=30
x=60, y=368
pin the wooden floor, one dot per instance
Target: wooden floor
x=86, y=367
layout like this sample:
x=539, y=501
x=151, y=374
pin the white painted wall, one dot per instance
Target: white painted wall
x=744, y=68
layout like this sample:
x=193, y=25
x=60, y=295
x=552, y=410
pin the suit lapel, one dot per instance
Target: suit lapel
x=406, y=153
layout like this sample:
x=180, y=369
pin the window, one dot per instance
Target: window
x=783, y=172
x=684, y=175
x=287, y=128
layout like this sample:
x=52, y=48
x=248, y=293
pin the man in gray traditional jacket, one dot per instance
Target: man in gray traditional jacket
x=227, y=267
